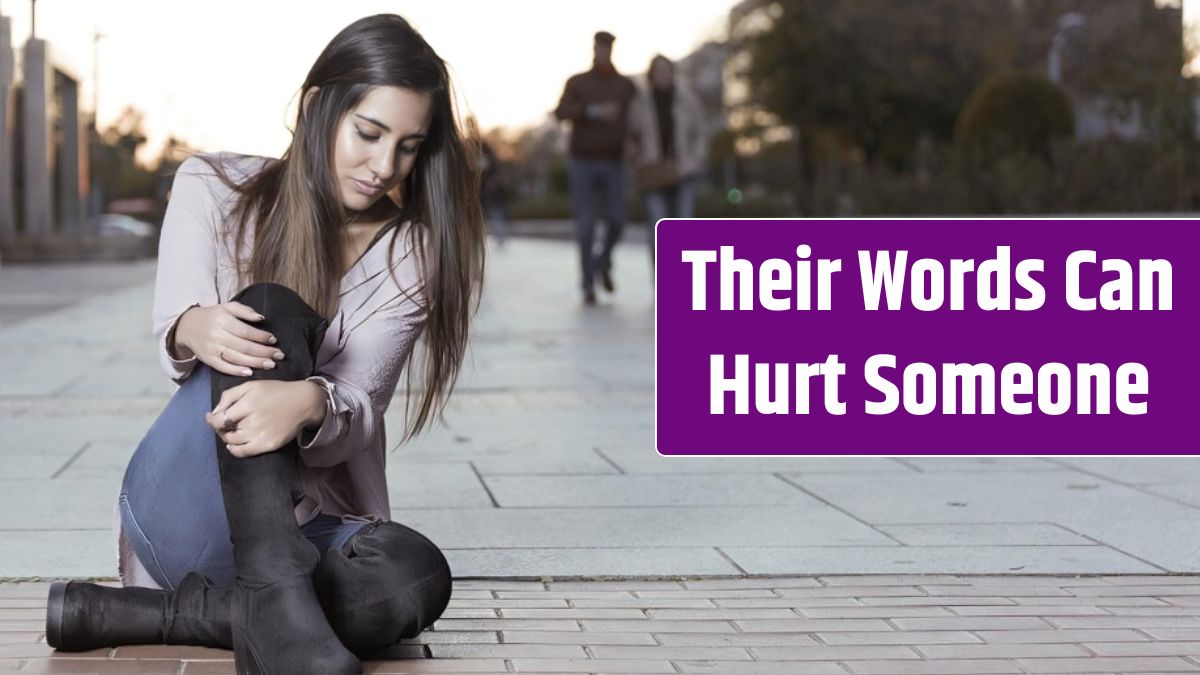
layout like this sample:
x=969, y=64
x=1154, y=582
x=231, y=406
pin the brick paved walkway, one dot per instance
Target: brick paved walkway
x=880, y=625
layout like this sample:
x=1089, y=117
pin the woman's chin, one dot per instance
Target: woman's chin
x=356, y=201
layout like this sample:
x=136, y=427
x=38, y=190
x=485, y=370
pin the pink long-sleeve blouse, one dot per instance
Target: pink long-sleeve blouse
x=359, y=363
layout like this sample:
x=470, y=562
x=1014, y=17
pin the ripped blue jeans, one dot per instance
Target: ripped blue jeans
x=170, y=502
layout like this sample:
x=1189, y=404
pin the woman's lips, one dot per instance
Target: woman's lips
x=366, y=188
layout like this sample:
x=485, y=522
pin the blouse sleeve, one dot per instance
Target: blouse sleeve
x=187, y=259
x=360, y=382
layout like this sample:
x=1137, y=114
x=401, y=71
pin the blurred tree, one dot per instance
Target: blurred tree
x=874, y=73
x=116, y=172
x=1014, y=112
x=859, y=83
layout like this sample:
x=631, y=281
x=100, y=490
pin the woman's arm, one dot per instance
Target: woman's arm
x=187, y=262
x=360, y=382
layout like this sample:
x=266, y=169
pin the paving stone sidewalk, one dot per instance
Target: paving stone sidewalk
x=870, y=625
x=545, y=469
x=546, y=463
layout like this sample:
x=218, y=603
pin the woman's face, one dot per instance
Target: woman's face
x=377, y=143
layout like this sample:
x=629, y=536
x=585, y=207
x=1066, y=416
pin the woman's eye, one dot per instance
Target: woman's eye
x=408, y=150
x=367, y=137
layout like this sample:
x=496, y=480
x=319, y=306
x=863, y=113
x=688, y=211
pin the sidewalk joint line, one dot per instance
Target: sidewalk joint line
x=69, y=462
x=1132, y=486
x=731, y=561
x=482, y=483
x=903, y=461
x=833, y=506
x=606, y=458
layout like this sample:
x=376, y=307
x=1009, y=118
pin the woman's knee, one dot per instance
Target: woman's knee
x=297, y=327
x=386, y=583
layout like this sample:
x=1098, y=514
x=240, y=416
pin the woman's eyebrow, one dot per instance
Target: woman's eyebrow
x=385, y=127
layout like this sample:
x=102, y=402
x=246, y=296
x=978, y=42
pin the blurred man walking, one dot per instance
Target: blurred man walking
x=597, y=104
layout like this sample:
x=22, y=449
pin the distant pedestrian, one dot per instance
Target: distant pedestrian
x=492, y=195
x=597, y=104
x=669, y=144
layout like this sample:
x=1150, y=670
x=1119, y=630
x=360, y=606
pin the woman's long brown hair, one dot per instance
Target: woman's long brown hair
x=300, y=217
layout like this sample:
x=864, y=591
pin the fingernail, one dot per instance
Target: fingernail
x=268, y=364
x=246, y=372
x=273, y=340
x=260, y=317
x=278, y=356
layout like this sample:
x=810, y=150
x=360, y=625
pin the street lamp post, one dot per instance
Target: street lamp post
x=97, y=36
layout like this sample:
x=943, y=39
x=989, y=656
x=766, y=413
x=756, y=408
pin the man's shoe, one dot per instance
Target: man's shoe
x=589, y=297
x=606, y=280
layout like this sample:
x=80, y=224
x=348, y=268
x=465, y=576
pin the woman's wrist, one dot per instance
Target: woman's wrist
x=316, y=404
x=177, y=346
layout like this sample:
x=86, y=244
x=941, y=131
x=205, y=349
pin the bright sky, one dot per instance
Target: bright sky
x=223, y=73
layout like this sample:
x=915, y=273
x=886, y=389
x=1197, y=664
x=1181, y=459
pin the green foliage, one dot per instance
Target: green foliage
x=708, y=205
x=889, y=103
x=873, y=72
x=552, y=206
x=1110, y=177
x=717, y=205
x=112, y=159
x=1014, y=112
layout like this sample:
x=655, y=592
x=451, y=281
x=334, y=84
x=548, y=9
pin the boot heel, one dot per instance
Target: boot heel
x=55, y=606
x=279, y=628
x=244, y=656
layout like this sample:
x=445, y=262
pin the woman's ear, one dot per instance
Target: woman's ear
x=312, y=91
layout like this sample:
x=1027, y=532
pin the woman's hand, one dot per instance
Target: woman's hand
x=221, y=339
x=264, y=415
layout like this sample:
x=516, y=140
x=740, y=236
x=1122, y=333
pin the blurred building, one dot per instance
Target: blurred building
x=43, y=158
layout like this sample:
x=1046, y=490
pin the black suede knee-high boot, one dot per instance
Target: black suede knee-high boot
x=386, y=583
x=276, y=621
x=82, y=616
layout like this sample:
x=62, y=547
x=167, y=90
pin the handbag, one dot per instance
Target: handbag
x=658, y=175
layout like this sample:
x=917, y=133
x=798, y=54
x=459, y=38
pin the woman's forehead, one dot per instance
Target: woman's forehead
x=395, y=109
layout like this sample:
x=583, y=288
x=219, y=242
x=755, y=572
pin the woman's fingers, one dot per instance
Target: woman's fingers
x=235, y=325
x=253, y=354
x=233, y=415
x=238, y=360
x=220, y=364
x=243, y=312
x=251, y=333
x=236, y=440
x=229, y=397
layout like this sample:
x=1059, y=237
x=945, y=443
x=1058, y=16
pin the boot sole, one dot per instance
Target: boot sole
x=245, y=657
x=55, y=606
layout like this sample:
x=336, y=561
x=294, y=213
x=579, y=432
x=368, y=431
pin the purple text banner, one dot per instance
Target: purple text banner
x=911, y=336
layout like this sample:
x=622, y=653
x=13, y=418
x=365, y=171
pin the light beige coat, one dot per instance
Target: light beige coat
x=691, y=139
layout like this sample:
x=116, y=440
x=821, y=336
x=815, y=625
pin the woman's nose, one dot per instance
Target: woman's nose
x=383, y=166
